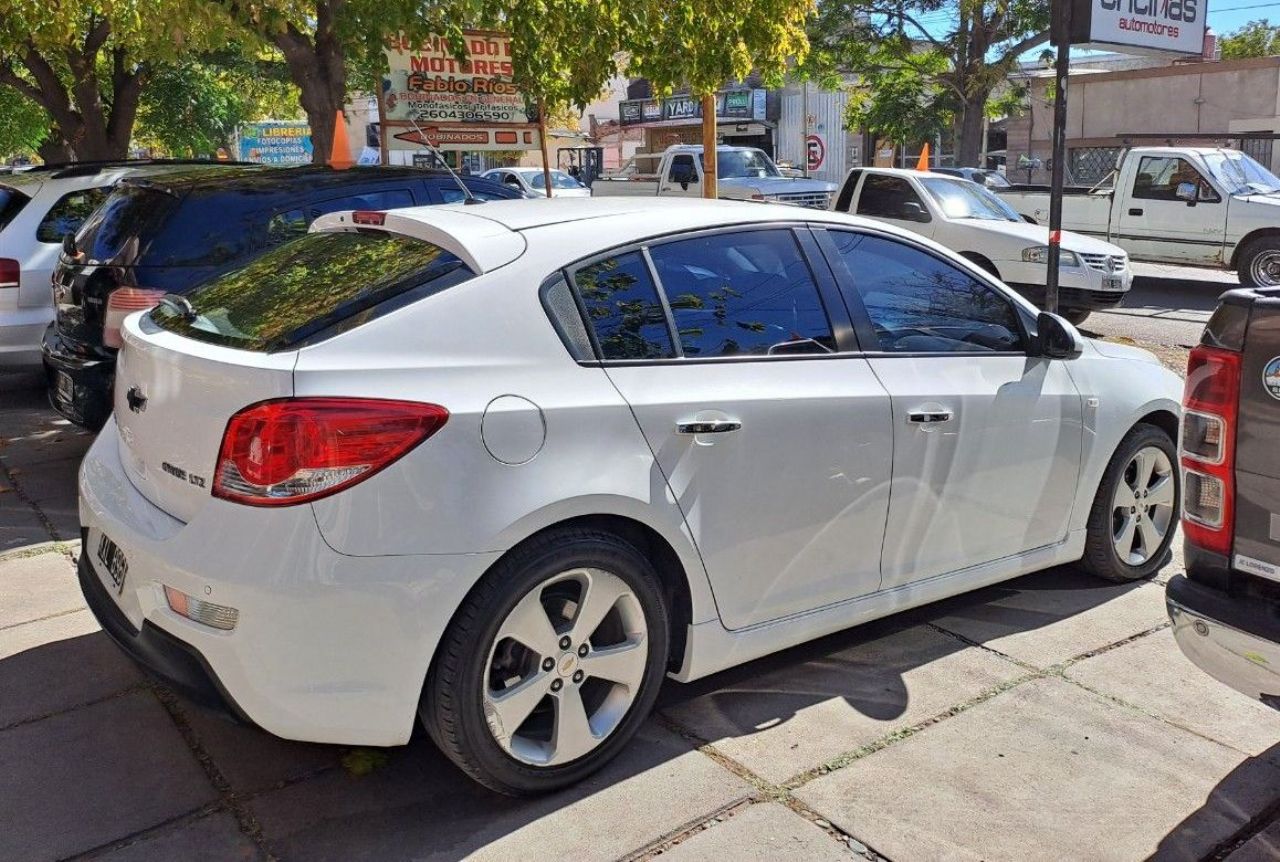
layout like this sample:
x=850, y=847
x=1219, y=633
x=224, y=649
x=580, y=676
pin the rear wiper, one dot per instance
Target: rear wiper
x=179, y=306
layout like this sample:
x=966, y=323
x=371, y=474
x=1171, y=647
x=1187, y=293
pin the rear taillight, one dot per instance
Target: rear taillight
x=122, y=302
x=10, y=272
x=1210, y=403
x=278, y=453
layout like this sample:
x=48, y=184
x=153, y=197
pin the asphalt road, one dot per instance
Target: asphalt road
x=1167, y=307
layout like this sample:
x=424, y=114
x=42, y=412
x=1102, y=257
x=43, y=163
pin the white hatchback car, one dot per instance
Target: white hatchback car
x=533, y=182
x=504, y=466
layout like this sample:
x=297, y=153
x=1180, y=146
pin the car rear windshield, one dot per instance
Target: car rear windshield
x=312, y=288
x=11, y=203
x=120, y=229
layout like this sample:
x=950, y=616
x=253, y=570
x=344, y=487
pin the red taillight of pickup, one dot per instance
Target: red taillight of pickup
x=10, y=272
x=122, y=302
x=294, y=450
x=1210, y=404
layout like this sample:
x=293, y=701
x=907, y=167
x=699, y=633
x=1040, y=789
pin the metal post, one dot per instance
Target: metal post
x=1062, y=19
x=804, y=127
x=710, y=188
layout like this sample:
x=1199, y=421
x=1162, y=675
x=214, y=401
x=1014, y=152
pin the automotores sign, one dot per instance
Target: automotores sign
x=274, y=142
x=467, y=104
x=1140, y=26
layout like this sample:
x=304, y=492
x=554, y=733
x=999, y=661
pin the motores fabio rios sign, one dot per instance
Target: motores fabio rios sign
x=428, y=85
x=1140, y=26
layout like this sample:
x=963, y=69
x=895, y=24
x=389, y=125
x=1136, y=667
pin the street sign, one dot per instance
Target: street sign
x=274, y=142
x=466, y=138
x=815, y=151
x=1140, y=26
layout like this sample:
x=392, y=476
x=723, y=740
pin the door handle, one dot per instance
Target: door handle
x=929, y=417
x=708, y=426
x=1135, y=211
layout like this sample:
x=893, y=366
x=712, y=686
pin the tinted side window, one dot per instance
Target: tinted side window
x=451, y=194
x=623, y=308
x=919, y=303
x=846, y=191
x=1159, y=177
x=69, y=213
x=382, y=199
x=884, y=196
x=748, y=293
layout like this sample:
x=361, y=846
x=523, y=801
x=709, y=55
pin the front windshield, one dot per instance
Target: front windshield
x=1241, y=174
x=963, y=199
x=559, y=180
x=749, y=164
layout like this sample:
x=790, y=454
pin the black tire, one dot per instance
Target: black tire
x=1100, y=556
x=981, y=262
x=1255, y=248
x=1076, y=316
x=452, y=704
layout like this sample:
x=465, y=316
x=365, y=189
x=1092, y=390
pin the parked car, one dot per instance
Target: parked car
x=531, y=182
x=38, y=207
x=161, y=236
x=503, y=468
x=1195, y=206
x=982, y=176
x=969, y=219
x=1226, y=610
x=742, y=173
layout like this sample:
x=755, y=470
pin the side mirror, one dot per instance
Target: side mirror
x=913, y=211
x=69, y=244
x=1188, y=192
x=1056, y=338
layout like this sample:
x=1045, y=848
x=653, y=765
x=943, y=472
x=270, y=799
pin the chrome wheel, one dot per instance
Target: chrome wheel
x=565, y=667
x=1264, y=269
x=1142, y=508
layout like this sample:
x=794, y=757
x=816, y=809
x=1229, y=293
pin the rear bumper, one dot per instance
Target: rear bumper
x=174, y=662
x=85, y=399
x=328, y=648
x=1234, y=640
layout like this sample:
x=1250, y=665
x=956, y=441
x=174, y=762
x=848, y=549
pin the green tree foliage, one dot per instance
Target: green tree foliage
x=1255, y=39
x=952, y=54
x=23, y=125
x=194, y=108
x=86, y=62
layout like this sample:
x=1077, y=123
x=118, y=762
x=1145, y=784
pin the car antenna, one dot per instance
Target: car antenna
x=468, y=197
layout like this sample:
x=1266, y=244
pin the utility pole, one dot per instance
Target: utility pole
x=709, y=187
x=1062, y=25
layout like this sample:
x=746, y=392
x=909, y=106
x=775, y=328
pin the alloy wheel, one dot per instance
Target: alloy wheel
x=1265, y=269
x=565, y=667
x=1142, y=507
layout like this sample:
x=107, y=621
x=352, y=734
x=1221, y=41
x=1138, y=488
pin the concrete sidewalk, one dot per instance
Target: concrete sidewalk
x=1051, y=717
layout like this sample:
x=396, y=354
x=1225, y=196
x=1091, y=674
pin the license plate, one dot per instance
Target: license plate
x=113, y=561
x=1110, y=283
x=66, y=388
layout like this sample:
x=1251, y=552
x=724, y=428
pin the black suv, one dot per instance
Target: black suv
x=158, y=235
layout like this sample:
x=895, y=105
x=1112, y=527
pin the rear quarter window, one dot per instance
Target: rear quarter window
x=11, y=203
x=313, y=288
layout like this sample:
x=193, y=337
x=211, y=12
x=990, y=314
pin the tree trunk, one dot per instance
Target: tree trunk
x=317, y=66
x=970, y=148
x=54, y=150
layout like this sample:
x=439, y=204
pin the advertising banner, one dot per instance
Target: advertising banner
x=274, y=142
x=1140, y=26
x=731, y=105
x=426, y=85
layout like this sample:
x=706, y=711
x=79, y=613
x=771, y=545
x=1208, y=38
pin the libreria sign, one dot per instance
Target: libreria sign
x=1140, y=26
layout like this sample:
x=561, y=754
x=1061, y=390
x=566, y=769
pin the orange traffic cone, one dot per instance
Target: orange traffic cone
x=923, y=163
x=340, y=157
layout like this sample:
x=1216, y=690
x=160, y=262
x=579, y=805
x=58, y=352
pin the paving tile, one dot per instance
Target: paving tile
x=212, y=838
x=1152, y=673
x=1049, y=617
x=252, y=759
x=419, y=806
x=38, y=586
x=788, y=719
x=19, y=638
x=1263, y=847
x=1048, y=763
x=761, y=833
x=59, y=675
x=88, y=777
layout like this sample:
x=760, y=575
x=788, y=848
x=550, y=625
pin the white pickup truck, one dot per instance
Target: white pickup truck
x=969, y=219
x=1196, y=206
x=742, y=173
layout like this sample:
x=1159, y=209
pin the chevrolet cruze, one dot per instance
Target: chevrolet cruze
x=503, y=467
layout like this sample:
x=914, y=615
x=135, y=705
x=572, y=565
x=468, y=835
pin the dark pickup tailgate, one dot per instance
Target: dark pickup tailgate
x=1257, y=539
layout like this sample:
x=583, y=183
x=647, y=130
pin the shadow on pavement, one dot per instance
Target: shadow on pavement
x=1245, y=788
